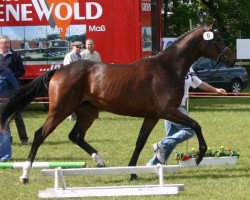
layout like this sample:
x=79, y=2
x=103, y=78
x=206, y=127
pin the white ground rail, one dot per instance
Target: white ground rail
x=135, y=190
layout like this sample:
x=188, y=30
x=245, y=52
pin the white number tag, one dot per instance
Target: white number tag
x=208, y=35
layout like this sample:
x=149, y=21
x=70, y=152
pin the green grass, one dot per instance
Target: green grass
x=224, y=121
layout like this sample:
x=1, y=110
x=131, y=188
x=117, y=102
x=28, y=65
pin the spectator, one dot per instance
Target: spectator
x=12, y=60
x=8, y=83
x=74, y=55
x=90, y=53
x=177, y=133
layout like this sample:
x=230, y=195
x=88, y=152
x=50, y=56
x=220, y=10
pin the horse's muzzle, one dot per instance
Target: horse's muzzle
x=230, y=62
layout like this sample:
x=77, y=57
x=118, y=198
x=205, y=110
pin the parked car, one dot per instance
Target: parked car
x=232, y=79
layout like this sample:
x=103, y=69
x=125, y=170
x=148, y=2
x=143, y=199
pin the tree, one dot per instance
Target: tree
x=232, y=17
x=165, y=16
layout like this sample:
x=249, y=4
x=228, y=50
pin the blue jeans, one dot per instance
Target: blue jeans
x=175, y=134
x=5, y=147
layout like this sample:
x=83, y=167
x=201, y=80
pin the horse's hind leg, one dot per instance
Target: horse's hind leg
x=86, y=114
x=40, y=135
x=146, y=128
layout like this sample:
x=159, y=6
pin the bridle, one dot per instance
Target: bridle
x=221, y=58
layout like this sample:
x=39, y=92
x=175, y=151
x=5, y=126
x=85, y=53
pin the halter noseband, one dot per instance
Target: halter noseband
x=222, y=57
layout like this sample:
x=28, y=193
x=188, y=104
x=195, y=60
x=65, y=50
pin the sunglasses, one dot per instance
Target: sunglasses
x=78, y=47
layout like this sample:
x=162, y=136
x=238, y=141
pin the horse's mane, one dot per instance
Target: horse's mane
x=181, y=37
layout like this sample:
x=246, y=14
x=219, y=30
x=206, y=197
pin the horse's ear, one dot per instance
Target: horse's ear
x=214, y=25
x=206, y=27
x=211, y=27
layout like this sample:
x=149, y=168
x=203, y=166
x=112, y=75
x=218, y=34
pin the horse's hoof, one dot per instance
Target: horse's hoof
x=23, y=180
x=199, y=156
x=133, y=177
x=198, y=159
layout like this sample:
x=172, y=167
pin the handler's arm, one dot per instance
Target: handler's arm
x=206, y=87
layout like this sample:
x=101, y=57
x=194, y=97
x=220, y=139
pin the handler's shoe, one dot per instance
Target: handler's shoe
x=153, y=162
x=6, y=158
x=160, y=152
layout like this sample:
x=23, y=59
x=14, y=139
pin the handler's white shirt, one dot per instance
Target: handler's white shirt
x=191, y=80
x=95, y=56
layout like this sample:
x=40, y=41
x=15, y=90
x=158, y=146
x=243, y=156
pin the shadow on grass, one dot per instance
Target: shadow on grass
x=215, y=104
x=215, y=173
x=214, y=109
x=202, y=174
x=51, y=159
x=65, y=142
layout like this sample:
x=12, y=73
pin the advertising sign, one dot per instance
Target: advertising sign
x=43, y=30
x=243, y=48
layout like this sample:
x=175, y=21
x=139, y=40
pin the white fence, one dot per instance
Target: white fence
x=134, y=190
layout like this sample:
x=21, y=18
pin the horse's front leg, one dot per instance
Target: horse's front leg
x=146, y=128
x=28, y=164
x=180, y=118
x=202, y=144
x=40, y=135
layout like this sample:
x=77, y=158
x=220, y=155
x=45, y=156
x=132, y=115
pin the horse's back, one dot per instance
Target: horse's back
x=123, y=89
x=119, y=88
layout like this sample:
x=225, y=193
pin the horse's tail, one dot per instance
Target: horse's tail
x=24, y=95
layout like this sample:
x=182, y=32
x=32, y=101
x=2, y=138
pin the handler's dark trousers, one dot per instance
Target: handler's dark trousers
x=21, y=127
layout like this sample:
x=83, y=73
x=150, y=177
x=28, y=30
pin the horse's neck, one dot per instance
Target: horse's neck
x=181, y=56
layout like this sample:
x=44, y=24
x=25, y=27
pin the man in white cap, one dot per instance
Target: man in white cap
x=74, y=55
x=90, y=53
x=71, y=57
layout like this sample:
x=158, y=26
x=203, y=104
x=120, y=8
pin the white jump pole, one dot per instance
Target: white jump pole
x=16, y=165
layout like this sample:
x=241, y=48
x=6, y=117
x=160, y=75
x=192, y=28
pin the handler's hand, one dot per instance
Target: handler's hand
x=220, y=91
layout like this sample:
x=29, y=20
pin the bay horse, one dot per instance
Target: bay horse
x=151, y=88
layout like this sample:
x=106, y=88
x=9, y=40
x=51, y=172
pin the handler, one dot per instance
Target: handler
x=177, y=133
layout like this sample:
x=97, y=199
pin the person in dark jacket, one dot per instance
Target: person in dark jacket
x=12, y=60
x=8, y=84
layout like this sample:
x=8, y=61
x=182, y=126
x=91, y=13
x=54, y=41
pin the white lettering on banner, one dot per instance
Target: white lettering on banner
x=146, y=7
x=49, y=30
x=23, y=12
x=1, y=13
x=43, y=10
x=67, y=7
x=89, y=9
x=26, y=12
x=53, y=66
x=9, y=8
x=77, y=12
x=95, y=28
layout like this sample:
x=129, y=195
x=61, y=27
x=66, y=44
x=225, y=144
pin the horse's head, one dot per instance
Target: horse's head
x=215, y=48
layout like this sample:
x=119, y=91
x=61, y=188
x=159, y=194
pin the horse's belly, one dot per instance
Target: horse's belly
x=129, y=108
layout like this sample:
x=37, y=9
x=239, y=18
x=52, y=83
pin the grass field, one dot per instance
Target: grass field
x=225, y=121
